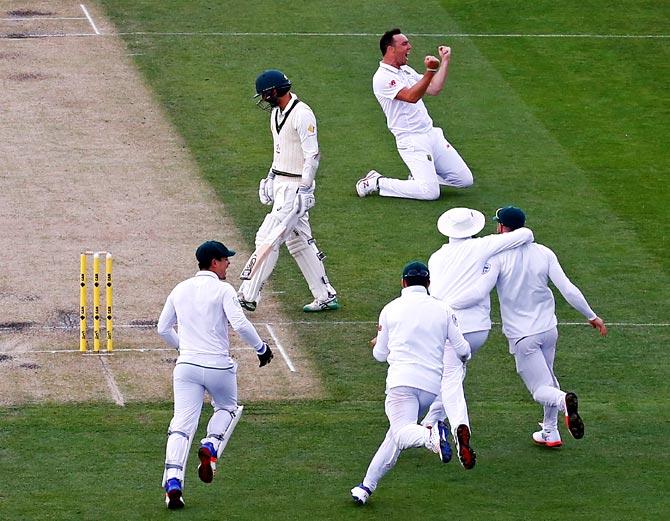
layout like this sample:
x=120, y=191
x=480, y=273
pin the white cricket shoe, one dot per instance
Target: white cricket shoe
x=434, y=438
x=369, y=184
x=360, y=494
x=329, y=304
x=547, y=437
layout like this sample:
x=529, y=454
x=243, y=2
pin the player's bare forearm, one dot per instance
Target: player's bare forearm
x=440, y=77
x=415, y=92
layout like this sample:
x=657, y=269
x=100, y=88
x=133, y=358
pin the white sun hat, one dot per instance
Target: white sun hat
x=461, y=222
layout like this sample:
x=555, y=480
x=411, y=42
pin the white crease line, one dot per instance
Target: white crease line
x=366, y=35
x=111, y=383
x=29, y=327
x=83, y=8
x=30, y=36
x=40, y=18
x=375, y=35
x=107, y=353
x=281, y=349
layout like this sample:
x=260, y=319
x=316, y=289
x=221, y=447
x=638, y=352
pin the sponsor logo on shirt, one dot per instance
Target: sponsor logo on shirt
x=392, y=84
x=453, y=318
x=487, y=268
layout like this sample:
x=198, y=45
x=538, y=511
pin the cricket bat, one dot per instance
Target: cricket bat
x=261, y=253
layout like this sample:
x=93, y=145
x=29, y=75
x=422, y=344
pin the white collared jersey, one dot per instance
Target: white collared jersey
x=527, y=304
x=401, y=117
x=412, y=333
x=458, y=264
x=294, y=136
x=202, y=307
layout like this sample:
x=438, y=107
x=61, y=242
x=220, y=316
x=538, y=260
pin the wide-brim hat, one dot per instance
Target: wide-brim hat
x=461, y=222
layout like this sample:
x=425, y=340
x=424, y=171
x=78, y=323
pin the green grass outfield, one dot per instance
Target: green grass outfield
x=573, y=129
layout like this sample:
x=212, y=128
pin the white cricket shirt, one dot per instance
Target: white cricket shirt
x=527, y=304
x=402, y=117
x=457, y=265
x=412, y=333
x=202, y=307
x=294, y=136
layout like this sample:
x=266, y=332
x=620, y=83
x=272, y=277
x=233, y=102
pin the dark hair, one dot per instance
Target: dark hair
x=417, y=281
x=204, y=265
x=387, y=39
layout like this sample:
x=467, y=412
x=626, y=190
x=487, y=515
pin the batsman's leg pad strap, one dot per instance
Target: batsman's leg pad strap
x=310, y=261
x=176, y=454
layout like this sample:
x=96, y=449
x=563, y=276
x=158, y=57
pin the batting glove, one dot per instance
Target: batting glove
x=266, y=189
x=266, y=355
x=304, y=200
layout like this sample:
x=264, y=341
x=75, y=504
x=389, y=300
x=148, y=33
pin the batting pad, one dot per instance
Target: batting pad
x=308, y=257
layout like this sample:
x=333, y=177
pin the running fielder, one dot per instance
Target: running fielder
x=289, y=188
x=413, y=333
x=203, y=307
x=527, y=308
x=454, y=268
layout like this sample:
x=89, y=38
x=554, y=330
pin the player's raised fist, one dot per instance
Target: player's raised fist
x=444, y=51
x=431, y=63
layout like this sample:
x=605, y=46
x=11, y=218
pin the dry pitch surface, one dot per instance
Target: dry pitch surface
x=89, y=161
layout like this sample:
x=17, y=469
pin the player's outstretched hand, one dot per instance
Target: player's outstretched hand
x=266, y=357
x=598, y=324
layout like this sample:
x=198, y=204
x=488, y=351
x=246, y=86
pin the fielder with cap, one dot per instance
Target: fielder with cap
x=528, y=312
x=289, y=187
x=412, y=334
x=454, y=268
x=202, y=307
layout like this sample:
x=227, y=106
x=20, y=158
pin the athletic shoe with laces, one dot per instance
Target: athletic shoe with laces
x=434, y=440
x=547, y=437
x=445, y=448
x=360, y=494
x=207, y=467
x=368, y=184
x=329, y=304
x=173, y=494
x=572, y=419
x=246, y=304
x=466, y=454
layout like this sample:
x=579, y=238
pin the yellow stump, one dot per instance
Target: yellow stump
x=108, y=301
x=96, y=302
x=82, y=302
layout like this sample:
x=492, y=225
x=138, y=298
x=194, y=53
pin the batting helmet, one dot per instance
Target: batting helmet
x=272, y=79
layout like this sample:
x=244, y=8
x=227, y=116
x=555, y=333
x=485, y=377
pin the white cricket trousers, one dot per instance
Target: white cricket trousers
x=451, y=401
x=534, y=356
x=403, y=406
x=189, y=385
x=432, y=162
x=299, y=242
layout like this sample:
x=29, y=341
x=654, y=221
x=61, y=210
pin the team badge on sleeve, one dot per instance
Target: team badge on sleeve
x=453, y=319
x=486, y=269
x=311, y=128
